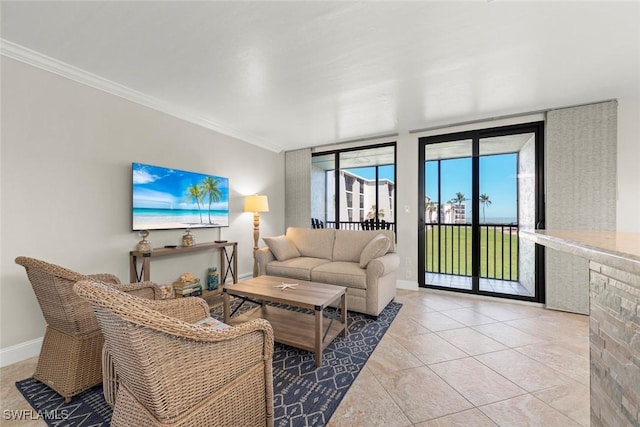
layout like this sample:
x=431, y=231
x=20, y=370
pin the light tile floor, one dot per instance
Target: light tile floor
x=452, y=360
x=455, y=360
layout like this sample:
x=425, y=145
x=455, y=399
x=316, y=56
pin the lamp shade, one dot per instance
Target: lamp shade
x=256, y=203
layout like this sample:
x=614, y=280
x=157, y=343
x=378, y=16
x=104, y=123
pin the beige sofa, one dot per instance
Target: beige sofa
x=363, y=261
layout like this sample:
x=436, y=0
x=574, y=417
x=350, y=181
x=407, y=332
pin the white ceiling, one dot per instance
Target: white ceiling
x=285, y=75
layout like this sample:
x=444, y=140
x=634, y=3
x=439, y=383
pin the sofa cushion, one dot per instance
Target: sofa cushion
x=350, y=243
x=296, y=268
x=376, y=247
x=315, y=243
x=340, y=273
x=282, y=247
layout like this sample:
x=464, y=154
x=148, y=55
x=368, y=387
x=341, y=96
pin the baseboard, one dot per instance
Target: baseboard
x=407, y=284
x=245, y=276
x=19, y=352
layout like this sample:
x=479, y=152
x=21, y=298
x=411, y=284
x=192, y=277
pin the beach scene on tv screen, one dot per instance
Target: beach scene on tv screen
x=165, y=198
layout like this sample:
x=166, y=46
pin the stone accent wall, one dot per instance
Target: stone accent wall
x=614, y=346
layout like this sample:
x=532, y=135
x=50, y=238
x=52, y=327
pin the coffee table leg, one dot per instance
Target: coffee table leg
x=344, y=314
x=318, y=346
x=226, y=308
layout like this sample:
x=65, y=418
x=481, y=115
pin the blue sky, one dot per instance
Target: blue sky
x=498, y=175
x=163, y=188
x=498, y=180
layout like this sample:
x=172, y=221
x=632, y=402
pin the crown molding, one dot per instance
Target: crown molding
x=37, y=59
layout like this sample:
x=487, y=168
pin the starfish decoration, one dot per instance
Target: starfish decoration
x=284, y=286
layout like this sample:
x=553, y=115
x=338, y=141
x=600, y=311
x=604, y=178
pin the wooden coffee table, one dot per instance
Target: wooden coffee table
x=300, y=330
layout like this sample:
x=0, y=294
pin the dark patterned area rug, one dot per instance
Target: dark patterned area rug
x=303, y=395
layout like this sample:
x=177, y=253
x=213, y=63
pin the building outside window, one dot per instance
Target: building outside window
x=351, y=186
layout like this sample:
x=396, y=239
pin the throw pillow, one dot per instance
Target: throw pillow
x=377, y=247
x=282, y=248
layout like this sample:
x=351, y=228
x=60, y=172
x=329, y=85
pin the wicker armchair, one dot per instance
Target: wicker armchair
x=70, y=358
x=174, y=373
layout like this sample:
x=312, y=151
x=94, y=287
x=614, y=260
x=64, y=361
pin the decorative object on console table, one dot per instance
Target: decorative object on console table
x=212, y=278
x=166, y=291
x=256, y=204
x=187, y=239
x=144, y=245
x=188, y=286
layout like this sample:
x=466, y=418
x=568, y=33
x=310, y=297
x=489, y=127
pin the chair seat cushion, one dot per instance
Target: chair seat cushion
x=340, y=273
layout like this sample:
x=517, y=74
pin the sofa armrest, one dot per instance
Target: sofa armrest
x=383, y=265
x=264, y=256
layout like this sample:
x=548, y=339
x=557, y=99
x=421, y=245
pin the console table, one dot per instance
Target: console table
x=614, y=302
x=228, y=261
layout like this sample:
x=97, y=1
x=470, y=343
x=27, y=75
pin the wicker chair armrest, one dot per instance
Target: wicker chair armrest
x=188, y=310
x=147, y=290
x=105, y=277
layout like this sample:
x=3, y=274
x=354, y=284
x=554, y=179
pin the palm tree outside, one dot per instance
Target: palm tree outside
x=211, y=191
x=431, y=208
x=195, y=193
x=459, y=199
x=459, y=215
x=484, y=201
x=372, y=212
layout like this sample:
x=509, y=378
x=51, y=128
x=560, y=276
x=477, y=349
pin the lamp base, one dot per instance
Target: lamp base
x=256, y=236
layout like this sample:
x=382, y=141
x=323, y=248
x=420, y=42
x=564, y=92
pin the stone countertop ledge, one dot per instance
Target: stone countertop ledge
x=617, y=249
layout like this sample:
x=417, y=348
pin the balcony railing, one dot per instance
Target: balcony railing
x=353, y=225
x=448, y=250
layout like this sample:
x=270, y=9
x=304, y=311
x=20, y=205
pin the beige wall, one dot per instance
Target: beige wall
x=66, y=185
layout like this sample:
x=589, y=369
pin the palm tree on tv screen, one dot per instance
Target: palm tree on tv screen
x=195, y=193
x=210, y=189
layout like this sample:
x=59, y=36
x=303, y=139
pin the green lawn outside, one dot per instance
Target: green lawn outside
x=500, y=262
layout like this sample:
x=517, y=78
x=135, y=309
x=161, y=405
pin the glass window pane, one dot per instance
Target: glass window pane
x=323, y=188
x=367, y=186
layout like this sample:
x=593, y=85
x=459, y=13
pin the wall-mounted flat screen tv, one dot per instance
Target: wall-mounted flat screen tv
x=165, y=198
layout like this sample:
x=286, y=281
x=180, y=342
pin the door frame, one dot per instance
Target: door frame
x=475, y=136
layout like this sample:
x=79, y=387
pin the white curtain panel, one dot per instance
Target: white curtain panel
x=298, y=188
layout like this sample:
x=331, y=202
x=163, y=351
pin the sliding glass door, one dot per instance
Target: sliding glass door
x=448, y=232
x=477, y=189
